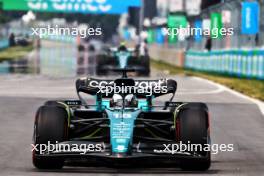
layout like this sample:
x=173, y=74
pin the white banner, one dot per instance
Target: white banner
x=175, y=5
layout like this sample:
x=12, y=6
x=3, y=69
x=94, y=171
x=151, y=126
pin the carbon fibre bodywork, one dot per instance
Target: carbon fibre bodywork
x=108, y=61
x=124, y=131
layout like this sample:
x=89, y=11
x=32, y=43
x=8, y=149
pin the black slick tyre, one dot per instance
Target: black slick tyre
x=50, y=126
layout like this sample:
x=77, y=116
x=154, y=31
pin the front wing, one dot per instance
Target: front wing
x=146, y=153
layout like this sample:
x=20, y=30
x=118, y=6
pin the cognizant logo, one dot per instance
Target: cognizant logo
x=140, y=87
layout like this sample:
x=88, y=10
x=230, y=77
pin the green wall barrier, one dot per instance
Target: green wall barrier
x=238, y=63
x=4, y=43
x=60, y=38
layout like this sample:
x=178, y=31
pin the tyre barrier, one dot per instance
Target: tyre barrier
x=240, y=63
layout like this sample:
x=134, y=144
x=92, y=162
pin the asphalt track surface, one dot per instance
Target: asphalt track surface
x=234, y=120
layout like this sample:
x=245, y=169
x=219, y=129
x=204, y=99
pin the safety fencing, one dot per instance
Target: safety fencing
x=4, y=43
x=240, y=63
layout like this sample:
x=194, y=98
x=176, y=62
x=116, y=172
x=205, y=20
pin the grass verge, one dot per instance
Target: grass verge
x=251, y=87
x=15, y=52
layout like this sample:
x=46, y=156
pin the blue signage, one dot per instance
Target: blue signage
x=250, y=18
x=126, y=34
x=198, y=30
x=72, y=6
x=159, y=36
x=134, y=3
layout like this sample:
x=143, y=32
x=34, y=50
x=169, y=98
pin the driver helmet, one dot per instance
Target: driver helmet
x=131, y=101
x=122, y=47
x=117, y=100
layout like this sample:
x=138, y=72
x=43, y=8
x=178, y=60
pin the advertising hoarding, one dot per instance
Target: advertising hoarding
x=250, y=18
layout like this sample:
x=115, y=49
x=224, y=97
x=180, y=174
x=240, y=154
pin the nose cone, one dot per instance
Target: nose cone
x=123, y=59
x=121, y=130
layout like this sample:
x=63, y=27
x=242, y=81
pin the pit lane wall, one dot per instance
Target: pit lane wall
x=240, y=63
x=169, y=55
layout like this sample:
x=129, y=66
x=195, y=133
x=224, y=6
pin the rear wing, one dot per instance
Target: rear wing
x=93, y=86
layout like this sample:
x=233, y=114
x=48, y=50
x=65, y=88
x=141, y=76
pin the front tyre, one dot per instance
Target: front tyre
x=192, y=126
x=50, y=126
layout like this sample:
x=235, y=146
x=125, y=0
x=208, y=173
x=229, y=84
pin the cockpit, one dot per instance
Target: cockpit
x=129, y=101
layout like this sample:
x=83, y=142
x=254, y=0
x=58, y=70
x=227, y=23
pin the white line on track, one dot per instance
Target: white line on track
x=259, y=103
x=200, y=92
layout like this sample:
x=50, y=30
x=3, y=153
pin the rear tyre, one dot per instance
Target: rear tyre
x=104, y=63
x=193, y=128
x=145, y=62
x=50, y=126
x=147, y=65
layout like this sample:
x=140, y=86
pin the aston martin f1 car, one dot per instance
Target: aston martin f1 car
x=123, y=127
x=123, y=57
